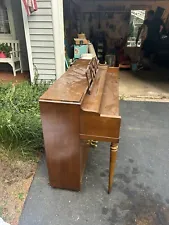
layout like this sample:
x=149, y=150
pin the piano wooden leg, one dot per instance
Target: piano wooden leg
x=113, y=156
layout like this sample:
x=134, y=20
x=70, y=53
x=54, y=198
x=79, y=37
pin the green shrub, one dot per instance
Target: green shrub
x=20, y=124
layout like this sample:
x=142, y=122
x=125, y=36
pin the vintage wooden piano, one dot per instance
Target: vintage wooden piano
x=82, y=105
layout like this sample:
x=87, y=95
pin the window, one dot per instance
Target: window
x=136, y=20
x=7, y=29
x=4, y=22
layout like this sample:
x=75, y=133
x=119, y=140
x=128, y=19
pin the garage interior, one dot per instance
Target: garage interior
x=115, y=24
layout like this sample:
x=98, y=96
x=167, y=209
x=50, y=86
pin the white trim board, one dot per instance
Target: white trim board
x=28, y=41
x=58, y=31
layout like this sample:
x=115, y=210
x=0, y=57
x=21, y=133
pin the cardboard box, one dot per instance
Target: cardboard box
x=81, y=41
x=81, y=36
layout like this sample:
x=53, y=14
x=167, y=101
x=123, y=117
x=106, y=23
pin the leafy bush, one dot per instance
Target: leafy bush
x=20, y=124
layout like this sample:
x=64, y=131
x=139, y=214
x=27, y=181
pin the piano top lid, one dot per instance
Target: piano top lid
x=71, y=87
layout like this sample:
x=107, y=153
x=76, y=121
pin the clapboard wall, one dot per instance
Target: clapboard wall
x=42, y=41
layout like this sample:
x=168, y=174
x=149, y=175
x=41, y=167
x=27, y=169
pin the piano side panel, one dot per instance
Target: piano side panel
x=99, y=128
x=61, y=129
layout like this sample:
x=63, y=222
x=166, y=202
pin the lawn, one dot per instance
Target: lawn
x=20, y=124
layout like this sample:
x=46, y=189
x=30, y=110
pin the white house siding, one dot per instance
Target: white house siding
x=42, y=41
x=19, y=31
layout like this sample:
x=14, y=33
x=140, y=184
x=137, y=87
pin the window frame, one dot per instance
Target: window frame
x=12, y=35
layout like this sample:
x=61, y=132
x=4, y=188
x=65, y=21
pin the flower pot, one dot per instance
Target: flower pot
x=2, y=55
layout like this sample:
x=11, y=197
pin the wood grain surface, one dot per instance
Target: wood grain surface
x=71, y=117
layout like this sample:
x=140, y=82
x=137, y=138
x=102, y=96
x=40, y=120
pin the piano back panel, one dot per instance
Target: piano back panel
x=93, y=126
x=61, y=128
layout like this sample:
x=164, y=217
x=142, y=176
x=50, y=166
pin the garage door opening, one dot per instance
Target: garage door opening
x=137, y=18
x=115, y=25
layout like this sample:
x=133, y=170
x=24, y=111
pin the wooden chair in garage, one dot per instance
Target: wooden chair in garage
x=15, y=58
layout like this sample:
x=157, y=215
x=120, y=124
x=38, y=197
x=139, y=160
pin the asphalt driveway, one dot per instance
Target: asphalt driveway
x=140, y=194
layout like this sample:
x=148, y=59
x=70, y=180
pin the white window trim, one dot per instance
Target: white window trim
x=12, y=35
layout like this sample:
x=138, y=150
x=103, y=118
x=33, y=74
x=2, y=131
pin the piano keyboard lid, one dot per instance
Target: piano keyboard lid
x=104, y=98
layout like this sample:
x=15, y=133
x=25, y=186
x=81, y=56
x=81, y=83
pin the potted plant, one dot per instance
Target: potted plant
x=5, y=50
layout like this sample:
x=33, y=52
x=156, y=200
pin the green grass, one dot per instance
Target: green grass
x=20, y=124
x=21, y=196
